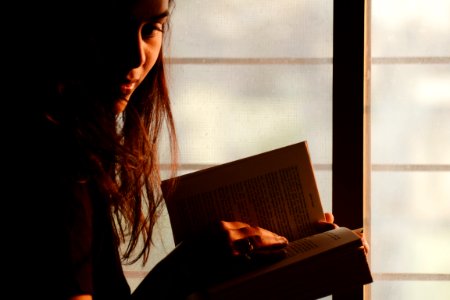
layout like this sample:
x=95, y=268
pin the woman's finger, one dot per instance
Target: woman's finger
x=254, y=239
x=327, y=224
x=329, y=217
x=226, y=225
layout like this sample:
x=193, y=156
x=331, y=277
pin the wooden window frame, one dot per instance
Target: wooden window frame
x=348, y=119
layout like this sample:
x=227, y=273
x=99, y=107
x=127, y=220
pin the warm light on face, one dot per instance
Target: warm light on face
x=146, y=30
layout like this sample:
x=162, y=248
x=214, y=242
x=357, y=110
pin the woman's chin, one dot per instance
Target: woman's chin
x=120, y=106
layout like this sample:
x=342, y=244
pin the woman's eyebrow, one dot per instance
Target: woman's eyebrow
x=160, y=16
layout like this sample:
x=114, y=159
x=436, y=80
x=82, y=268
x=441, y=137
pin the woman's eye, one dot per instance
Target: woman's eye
x=149, y=30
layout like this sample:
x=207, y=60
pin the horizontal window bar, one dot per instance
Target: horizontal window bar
x=204, y=166
x=135, y=274
x=249, y=61
x=410, y=60
x=302, y=61
x=410, y=277
x=408, y=168
x=327, y=167
x=376, y=276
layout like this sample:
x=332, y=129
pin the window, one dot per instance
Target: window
x=373, y=102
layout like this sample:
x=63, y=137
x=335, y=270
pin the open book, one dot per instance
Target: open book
x=275, y=190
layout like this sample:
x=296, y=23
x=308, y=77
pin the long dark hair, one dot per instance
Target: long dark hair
x=116, y=154
x=146, y=114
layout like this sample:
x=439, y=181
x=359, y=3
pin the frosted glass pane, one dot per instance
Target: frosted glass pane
x=410, y=28
x=225, y=112
x=162, y=244
x=252, y=28
x=410, y=222
x=324, y=184
x=410, y=290
x=411, y=114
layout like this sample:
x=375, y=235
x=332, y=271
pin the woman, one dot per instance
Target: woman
x=95, y=109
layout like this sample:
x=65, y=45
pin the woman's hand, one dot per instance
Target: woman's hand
x=249, y=241
x=365, y=244
x=253, y=241
x=327, y=224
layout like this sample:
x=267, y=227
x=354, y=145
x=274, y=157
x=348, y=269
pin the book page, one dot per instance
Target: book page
x=319, y=243
x=275, y=190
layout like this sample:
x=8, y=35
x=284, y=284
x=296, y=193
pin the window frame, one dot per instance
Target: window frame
x=348, y=88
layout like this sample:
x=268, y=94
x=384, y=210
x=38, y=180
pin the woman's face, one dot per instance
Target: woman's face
x=134, y=44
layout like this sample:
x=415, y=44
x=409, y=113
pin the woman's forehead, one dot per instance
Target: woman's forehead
x=149, y=8
x=120, y=11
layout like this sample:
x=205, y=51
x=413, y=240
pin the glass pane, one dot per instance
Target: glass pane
x=410, y=290
x=252, y=28
x=225, y=112
x=410, y=114
x=410, y=28
x=410, y=222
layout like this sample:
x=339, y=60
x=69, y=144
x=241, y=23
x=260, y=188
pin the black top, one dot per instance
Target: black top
x=62, y=242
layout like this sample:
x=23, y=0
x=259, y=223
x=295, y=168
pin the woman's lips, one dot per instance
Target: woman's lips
x=127, y=88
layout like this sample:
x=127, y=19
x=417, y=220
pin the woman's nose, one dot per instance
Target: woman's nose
x=124, y=47
x=133, y=54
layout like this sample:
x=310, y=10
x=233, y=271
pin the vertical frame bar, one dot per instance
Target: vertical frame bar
x=367, y=175
x=348, y=119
